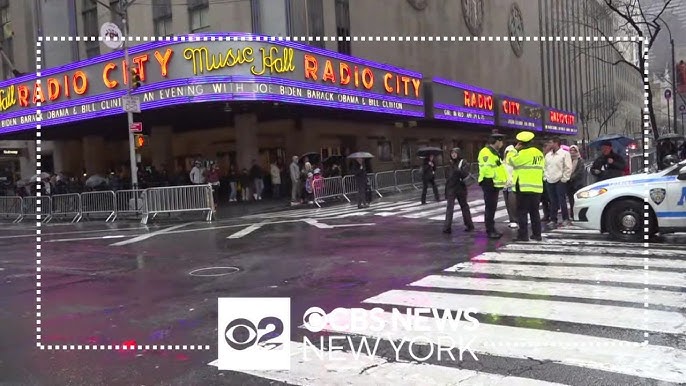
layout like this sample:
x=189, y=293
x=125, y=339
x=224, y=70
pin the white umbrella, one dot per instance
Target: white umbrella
x=43, y=176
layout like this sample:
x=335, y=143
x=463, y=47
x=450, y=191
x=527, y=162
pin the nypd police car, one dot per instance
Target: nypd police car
x=616, y=206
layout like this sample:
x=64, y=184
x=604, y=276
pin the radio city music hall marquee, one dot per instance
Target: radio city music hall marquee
x=459, y=102
x=200, y=71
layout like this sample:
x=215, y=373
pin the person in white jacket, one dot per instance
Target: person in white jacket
x=558, y=170
x=275, y=172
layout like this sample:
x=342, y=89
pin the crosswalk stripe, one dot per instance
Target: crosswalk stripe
x=442, y=210
x=562, y=311
x=563, y=239
x=577, y=231
x=579, y=273
x=418, y=208
x=402, y=205
x=574, y=290
x=657, y=362
x=602, y=260
x=350, y=368
x=585, y=249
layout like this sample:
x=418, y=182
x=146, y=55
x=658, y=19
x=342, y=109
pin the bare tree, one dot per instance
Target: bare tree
x=629, y=19
x=600, y=104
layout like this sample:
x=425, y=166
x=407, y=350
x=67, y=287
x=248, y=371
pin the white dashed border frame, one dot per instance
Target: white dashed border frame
x=447, y=39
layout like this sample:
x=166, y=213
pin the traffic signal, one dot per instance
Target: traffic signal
x=135, y=79
x=139, y=140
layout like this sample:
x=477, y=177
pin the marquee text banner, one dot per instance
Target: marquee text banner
x=282, y=71
x=559, y=122
x=459, y=102
x=518, y=114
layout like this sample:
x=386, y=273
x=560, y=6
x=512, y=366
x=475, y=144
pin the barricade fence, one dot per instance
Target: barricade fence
x=148, y=203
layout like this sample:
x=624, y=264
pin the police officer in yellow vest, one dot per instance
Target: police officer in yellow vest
x=492, y=178
x=528, y=165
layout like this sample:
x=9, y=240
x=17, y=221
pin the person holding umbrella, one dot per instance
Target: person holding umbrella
x=455, y=187
x=492, y=179
x=360, y=172
x=429, y=177
x=609, y=164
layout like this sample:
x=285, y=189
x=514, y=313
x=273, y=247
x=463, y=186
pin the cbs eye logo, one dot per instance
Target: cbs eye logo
x=241, y=334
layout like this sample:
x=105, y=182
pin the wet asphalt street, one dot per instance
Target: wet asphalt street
x=124, y=283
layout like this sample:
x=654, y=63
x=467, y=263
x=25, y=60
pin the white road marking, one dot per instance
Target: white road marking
x=563, y=311
x=311, y=366
x=84, y=238
x=656, y=362
x=602, y=260
x=544, y=288
x=402, y=205
x=316, y=223
x=245, y=231
x=149, y=235
x=352, y=215
x=585, y=249
x=578, y=231
x=44, y=234
x=597, y=274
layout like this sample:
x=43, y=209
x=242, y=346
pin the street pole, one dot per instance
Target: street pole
x=129, y=114
x=676, y=91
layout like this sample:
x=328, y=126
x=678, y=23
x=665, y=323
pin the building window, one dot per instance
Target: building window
x=385, y=151
x=343, y=26
x=198, y=11
x=115, y=16
x=89, y=14
x=162, y=17
x=6, y=39
x=315, y=21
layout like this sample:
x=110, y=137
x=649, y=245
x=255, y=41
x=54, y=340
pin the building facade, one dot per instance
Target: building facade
x=549, y=74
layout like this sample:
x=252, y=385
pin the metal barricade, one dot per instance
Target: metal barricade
x=103, y=203
x=29, y=208
x=440, y=174
x=178, y=199
x=371, y=183
x=474, y=168
x=129, y=202
x=385, y=181
x=330, y=187
x=349, y=186
x=10, y=207
x=66, y=205
x=417, y=178
x=403, y=179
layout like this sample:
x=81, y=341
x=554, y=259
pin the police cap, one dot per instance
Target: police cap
x=497, y=137
x=525, y=136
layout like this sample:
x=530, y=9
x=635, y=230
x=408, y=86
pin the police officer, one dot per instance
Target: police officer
x=492, y=178
x=455, y=187
x=528, y=165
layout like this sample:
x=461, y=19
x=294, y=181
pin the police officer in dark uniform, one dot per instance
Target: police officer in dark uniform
x=361, y=181
x=455, y=188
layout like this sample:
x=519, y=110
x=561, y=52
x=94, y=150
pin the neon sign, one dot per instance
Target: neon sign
x=560, y=122
x=462, y=103
x=519, y=114
x=199, y=59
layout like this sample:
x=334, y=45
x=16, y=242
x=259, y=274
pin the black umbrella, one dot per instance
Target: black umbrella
x=670, y=136
x=361, y=154
x=311, y=156
x=333, y=159
x=426, y=151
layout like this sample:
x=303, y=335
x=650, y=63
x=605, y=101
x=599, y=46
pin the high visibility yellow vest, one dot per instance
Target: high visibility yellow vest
x=491, y=167
x=528, y=165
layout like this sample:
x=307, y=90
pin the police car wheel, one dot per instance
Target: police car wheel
x=625, y=221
